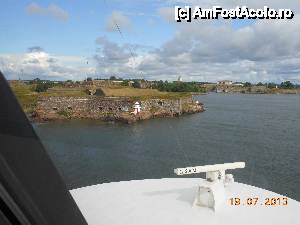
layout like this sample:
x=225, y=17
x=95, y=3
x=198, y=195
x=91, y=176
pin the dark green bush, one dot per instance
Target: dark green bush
x=287, y=85
x=43, y=86
x=178, y=86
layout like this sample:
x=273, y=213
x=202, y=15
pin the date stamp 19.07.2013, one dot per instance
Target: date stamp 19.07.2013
x=255, y=201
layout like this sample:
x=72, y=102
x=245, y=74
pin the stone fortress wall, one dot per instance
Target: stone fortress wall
x=95, y=107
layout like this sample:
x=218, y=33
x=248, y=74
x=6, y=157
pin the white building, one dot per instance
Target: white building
x=225, y=82
x=238, y=84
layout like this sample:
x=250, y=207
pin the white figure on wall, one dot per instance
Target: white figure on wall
x=137, y=108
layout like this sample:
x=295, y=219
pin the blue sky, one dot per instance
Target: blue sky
x=67, y=33
x=76, y=36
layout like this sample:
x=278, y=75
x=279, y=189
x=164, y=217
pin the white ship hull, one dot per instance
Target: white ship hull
x=170, y=201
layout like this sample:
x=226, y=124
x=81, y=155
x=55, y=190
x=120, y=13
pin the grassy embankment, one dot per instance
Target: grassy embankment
x=25, y=95
x=61, y=91
x=141, y=94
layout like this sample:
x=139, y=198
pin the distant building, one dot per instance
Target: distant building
x=238, y=84
x=130, y=83
x=225, y=82
x=117, y=82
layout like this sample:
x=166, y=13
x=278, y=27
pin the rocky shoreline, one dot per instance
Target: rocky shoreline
x=111, y=108
x=146, y=115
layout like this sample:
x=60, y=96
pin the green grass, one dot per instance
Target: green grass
x=142, y=94
x=169, y=95
x=25, y=95
x=64, y=113
x=129, y=92
x=60, y=91
x=28, y=97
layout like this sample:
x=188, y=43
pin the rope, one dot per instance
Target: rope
x=118, y=28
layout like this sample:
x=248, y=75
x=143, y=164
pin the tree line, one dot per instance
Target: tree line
x=284, y=85
x=177, y=86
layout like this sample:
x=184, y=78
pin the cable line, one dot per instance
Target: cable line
x=118, y=28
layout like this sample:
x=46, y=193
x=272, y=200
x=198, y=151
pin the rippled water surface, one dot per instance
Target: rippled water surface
x=262, y=130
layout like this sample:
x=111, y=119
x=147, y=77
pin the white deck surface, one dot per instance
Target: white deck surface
x=169, y=201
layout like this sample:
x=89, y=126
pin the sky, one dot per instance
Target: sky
x=61, y=40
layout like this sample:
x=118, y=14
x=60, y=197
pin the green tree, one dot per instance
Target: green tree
x=125, y=83
x=35, y=81
x=43, y=86
x=136, y=84
x=178, y=86
x=112, y=77
x=247, y=84
x=287, y=85
x=271, y=85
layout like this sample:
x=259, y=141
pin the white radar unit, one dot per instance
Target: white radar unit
x=211, y=192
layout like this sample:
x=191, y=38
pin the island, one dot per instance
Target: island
x=127, y=100
x=107, y=100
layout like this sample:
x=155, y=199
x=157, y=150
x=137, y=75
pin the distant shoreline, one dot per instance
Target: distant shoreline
x=258, y=93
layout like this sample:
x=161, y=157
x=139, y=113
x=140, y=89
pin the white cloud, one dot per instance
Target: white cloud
x=52, y=10
x=44, y=66
x=167, y=13
x=202, y=50
x=117, y=20
x=214, y=50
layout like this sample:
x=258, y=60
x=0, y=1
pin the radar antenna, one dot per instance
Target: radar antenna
x=211, y=192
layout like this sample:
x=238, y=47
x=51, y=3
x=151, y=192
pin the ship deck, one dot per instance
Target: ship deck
x=170, y=201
